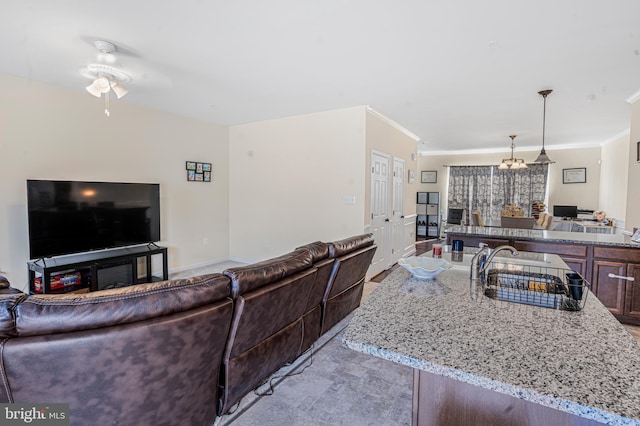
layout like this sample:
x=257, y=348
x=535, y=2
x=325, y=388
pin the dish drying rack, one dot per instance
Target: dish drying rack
x=555, y=288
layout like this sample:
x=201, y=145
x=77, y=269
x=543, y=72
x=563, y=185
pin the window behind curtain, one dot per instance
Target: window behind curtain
x=488, y=189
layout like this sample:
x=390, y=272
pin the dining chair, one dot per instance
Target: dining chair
x=517, y=222
x=476, y=219
x=541, y=217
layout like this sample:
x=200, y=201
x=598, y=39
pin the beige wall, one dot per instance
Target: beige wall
x=48, y=132
x=584, y=195
x=614, y=177
x=633, y=199
x=289, y=179
x=389, y=138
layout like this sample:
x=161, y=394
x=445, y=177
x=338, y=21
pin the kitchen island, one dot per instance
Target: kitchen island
x=611, y=263
x=482, y=361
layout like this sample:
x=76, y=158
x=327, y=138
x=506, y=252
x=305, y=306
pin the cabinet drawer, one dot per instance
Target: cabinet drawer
x=630, y=255
x=574, y=250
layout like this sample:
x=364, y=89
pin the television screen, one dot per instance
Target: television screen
x=565, y=211
x=69, y=217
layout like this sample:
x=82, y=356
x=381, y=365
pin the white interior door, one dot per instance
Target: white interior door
x=379, y=211
x=397, y=205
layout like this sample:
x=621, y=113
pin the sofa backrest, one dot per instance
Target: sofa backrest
x=145, y=354
x=48, y=314
x=353, y=257
x=344, y=291
x=247, y=278
x=271, y=298
x=324, y=264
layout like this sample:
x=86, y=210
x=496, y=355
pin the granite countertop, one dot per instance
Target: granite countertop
x=584, y=363
x=618, y=240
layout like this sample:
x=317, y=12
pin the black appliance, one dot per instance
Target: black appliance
x=70, y=217
x=565, y=211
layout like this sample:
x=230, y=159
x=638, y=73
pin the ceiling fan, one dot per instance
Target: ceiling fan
x=105, y=77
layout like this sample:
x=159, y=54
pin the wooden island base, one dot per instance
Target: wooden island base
x=442, y=401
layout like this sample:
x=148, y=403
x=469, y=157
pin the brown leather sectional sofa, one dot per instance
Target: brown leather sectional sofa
x=179, y=351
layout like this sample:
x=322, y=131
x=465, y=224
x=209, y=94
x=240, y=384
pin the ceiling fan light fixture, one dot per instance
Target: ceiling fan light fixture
x=118, y=89
x=102, y=84
x=105, y=77
x=92, y=89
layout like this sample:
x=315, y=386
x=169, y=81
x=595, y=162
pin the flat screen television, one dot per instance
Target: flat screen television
x=69, y=217
x=565, y=211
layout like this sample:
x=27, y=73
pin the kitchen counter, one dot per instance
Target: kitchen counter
x=616, y=240
x=583, y=363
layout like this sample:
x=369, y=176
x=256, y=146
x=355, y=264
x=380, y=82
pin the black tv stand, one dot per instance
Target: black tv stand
x=90, y=265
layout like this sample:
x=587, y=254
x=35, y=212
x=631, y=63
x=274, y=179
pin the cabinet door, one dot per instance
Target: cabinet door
x=576, y=264
x=610, y=291
x=632, y=302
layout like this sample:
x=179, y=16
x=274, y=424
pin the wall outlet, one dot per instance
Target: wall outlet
x=205, y=241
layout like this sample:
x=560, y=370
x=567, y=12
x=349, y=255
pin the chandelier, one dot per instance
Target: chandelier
x=512, y=163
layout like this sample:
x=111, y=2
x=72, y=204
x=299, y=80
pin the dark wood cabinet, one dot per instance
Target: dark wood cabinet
x=574, y=255
x=615, y=280
x=576, y=264
x=610, y=291
x=632, y=299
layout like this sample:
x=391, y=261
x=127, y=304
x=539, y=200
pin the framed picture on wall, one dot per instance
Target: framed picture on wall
x=577, y=175
x=429, y=176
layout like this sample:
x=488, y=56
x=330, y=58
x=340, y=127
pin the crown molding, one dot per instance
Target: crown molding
x=393, y=124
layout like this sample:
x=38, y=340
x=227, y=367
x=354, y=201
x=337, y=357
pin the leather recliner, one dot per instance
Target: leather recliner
x=268, y=328
x=343, y=293
x=145, y=354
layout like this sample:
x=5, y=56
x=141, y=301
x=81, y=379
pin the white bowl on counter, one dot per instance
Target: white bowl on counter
x=424, y=268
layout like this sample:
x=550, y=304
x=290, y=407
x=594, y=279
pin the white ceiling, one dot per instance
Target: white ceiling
x=459, y=74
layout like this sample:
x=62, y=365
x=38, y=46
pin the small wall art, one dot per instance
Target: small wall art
x=198, y=172
x=575, y=175
x=429, y=176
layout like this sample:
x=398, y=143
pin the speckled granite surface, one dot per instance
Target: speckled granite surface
x=584, y=363
x=617, y=240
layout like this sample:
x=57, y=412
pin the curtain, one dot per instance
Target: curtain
x=469, y=188
x=489, y=189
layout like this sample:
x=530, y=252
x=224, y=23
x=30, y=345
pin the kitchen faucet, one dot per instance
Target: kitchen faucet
x=477, y=268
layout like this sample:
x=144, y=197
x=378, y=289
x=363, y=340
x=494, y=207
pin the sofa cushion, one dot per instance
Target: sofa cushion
x=319, y=250
x=342, y=247
x=256, y=275
x=47, y=314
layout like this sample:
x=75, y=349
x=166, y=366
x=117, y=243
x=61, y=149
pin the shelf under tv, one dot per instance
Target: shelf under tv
x=95, y=264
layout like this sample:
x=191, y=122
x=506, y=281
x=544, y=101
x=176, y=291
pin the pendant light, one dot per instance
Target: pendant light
x=543, y=158
x=512, y=163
